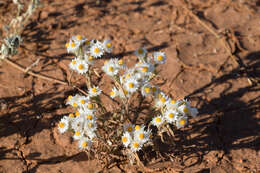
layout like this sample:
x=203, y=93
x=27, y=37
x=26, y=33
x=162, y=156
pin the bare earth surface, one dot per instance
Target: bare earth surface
x=198, y=40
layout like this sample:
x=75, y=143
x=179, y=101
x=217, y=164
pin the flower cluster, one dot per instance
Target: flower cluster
x=127, y=81
x=83, y=121
x=135, y=136
x=173, y=112
x=86, y=52
x=135, y=78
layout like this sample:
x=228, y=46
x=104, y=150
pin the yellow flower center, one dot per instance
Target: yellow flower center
x=170, y=115
x=158, y=120
x=82, y=102
x=73, y=62
x=72, y=45
x=140, y=51
x=77, y=114
x=112, y=93
x=147, y=90
x=182, y=122
x=81, y=67
x=110, y=69
x=90, y=125
x=67, y=45
x=90, y=106
x=96, y=50
x=159, y=95
x=108, y=45
x=159, y=58
x=131, y=85
x=90, y=58
x=145, y=69
x=70, y=97
x=90, y=117
x=77, y=133
x=129, y=129
x=128, y=75
x=137, y=127
x=94, y=90
x=71, y=115
x=135, y=145
x=120, y=62
x=185, y=110
x=173, y=102
x=154, y=89
x=125, y=92
x=162, y=99
x=141, y=136
x=79, y=37
x=124, y=139
x=84, y=144
x=61, y=125
x=74, y=105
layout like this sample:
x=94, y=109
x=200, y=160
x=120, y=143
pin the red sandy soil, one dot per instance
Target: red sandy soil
x=223, y=138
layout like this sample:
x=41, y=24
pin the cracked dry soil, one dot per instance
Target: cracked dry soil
x=213, y=51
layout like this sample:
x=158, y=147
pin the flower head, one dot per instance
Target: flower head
x=141, y=52
x=97, y=49
x=159, y=57
x=181, y=121
x=63, y=125
x=126, y=139
x=107, y=46
x=158, y=121
x=84, y=143
x=94, y=91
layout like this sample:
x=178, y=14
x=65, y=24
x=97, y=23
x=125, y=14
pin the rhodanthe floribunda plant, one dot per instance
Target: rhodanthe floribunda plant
x=127, y=81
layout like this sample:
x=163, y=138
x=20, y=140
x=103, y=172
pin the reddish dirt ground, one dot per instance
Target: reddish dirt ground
x=223, y=138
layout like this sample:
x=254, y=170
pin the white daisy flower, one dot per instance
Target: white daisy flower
x=79, y=39
x=156, y=91
x=126, y=139
x=78, y=123
x=81, y=66
x=170, y=116
x=131, y=85
x=94, y=91
x=146, y=89
x=107, y=46
x=120, y=64
x=158, y=121
x=141, y=52
x=145, y=68
x=72, y=47
x=135, y=146
x=159, y=57
x=141, y=136
x=181, y=121
x=129, y=128
x=97, y=50
x=184, y=109
x=78, y=134
x=114, y=93
x=89, y=107
x=73, y=64
x=110, y=68
x=82, y=100
x=171, y=104
x=161, y=99
x=89, y=59
x=90, y=125
x=63, y=125
x=138, y=127
x=84, y=143
x=73, y=101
